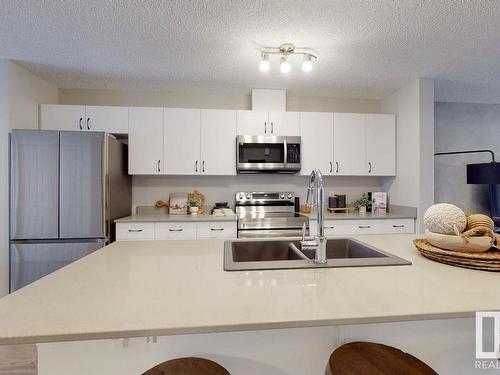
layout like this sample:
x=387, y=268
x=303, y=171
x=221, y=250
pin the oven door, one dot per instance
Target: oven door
x=260, y=154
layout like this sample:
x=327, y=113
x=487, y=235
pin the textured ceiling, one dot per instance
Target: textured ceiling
x=367, y=49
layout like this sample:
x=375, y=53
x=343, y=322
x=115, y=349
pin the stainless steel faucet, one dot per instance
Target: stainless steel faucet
x=318, y=242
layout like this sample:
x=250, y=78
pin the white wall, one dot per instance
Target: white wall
x=26, y=92
x=413, y=185
x=4, y=178
x=210, y=99
x=20, y=95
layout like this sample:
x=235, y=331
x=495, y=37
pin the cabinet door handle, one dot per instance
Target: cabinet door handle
x=203, y=166
x=265, y=127
x=331, y=167
x=216, y=229
x=336, y=167
x=272, y=127
x=364, y=226
x=88, y=121
x=329, y=227
x=80, y=123
x=398, y=226
x=158, y=165
x=196, y=166
x=175, y=230
x=135, y=230
x=370, y=165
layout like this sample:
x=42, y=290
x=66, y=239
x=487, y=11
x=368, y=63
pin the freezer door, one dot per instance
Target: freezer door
x=32, y=261
x=34, y=184
x=81, y=207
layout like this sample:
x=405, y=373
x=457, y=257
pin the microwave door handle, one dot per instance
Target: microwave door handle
x=285, y=154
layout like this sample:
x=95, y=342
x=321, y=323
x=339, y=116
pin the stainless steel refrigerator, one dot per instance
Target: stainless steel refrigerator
x=66, y=189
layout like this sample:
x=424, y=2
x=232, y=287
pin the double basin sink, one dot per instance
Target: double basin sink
x=271, y=254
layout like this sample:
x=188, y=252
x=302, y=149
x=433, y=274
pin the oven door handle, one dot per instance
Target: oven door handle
x=265, y=233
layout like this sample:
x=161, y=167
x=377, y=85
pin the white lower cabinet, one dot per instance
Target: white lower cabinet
x=364, y=226
x=216, y=230
x=135, y=231
x=175, y=230
x=398, y=226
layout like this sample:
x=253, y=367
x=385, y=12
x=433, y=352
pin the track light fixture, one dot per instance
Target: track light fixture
x=285, y=51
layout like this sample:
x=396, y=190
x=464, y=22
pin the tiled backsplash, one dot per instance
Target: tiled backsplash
x=148, y=189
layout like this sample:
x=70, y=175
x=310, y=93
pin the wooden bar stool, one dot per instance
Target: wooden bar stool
x=367, y=358
x=188, y=366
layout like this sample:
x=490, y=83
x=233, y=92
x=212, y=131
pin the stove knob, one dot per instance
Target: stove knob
x=249, y=196
x=242, y=195
x=282, y=196
x=289, y=196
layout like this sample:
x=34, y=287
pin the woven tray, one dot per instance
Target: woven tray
x=488, y=261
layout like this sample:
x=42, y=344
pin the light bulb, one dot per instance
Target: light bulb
x=284, y=65
x=264, y=64
x=307, y=63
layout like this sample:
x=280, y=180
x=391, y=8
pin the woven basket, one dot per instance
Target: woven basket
x=488, y=261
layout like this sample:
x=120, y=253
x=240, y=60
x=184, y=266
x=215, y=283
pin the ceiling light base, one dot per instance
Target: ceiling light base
x=286, y=49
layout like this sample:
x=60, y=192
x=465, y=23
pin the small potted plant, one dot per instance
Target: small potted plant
x=362, y=203
x=194, y=205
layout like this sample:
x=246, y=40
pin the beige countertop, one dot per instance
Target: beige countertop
x=157, y=217
x=395, y=212
x=148, y=288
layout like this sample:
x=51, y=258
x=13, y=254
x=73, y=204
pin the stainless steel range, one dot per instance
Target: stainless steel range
x=268, y=214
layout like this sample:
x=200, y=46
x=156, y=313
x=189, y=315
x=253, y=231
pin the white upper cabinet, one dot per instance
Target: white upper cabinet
x=316, y=130
x=182, y=141
x=84, y=118
x=268, y=123
x=218, y=142
x=145, y=140
x=253, y=123
x=62, y=117
x=107, y=119
x=284, y=123
x=349, y=144
x=381, y=145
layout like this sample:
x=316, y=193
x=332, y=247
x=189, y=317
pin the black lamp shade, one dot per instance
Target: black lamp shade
x=483, y=173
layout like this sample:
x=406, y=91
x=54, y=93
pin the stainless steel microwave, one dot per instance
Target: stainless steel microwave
x=259, y=154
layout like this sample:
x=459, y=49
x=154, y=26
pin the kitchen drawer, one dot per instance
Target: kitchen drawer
x=332, y=228
x=397, y=226
x=175, y=231
x=364, y=226
x=218, y=229
x=135, y=231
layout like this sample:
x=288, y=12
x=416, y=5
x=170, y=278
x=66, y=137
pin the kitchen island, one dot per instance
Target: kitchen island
x=133, y=289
